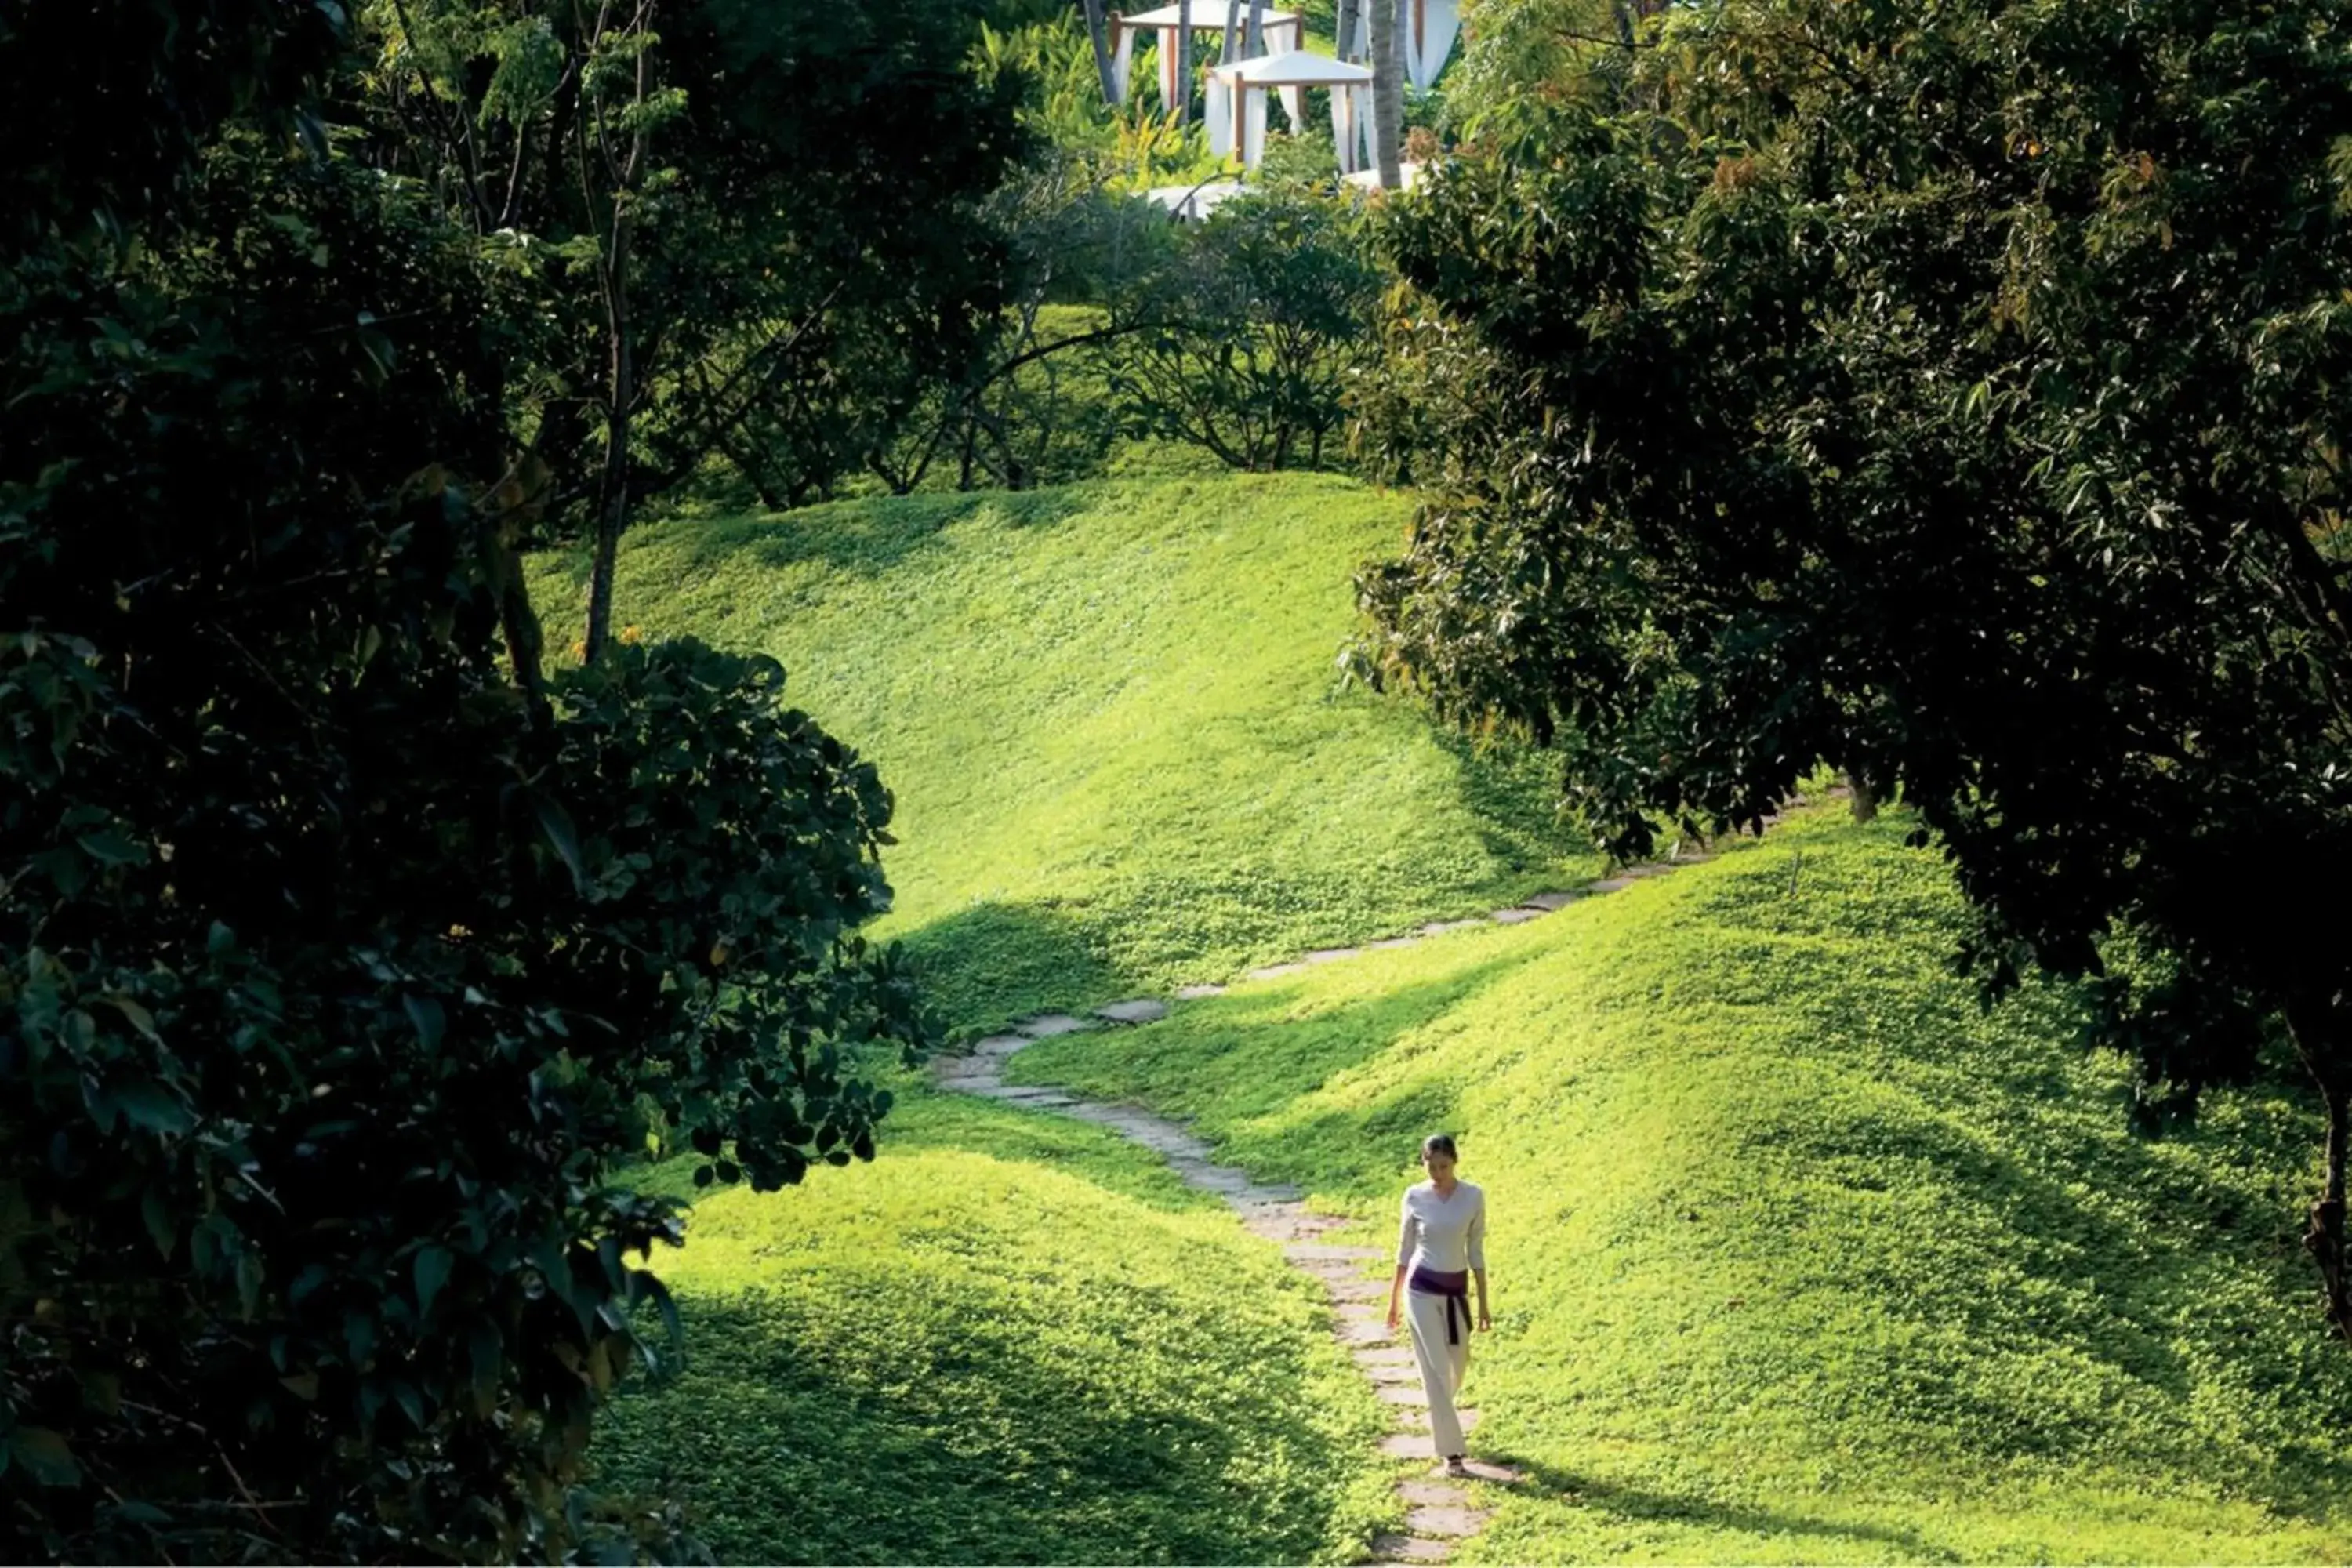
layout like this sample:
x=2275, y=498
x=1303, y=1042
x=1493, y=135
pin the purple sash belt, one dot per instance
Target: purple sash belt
x=1451, y=1284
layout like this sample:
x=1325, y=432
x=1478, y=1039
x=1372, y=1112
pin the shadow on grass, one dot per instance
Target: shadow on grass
x=962, y=1439
x=1628, y=1502
x=987, y=965
x=1512, y=791
x=867, y=537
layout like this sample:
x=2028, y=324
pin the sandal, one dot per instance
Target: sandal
x=1455, y=1466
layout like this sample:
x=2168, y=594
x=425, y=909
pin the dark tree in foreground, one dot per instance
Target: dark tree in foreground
x=342, y=962
x=1957, y=398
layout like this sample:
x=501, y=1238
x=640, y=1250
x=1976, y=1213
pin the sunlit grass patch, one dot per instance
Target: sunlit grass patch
x=1800, y=1255
x=953, y=1356
x=1109, y=713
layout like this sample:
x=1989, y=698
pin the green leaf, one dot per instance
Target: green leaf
x=426, y=1013
x=556, y=823
x=45, y=1453
x=154, y=1108
x=108, y=846
x=160, y=1226
x=433, y=1264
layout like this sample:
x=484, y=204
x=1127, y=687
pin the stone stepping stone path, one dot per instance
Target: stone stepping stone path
x=1438, y=1512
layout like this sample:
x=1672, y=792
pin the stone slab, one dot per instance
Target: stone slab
x=1357, y=1289
x=1411, y=1549
x=1402, y=1394
x=1331, y=955
x=1210, y=1178
x=1408, y=1446
x=1361, y=1332
x=1415, y=1419
x=1443, y=1521
x=1439, y=928
x=1048, y=1025
x=1022, y=1094
x=1384, y=1373
x=1194, y=992
x=1139, y=1010
x=1516, y=917
x=1389, y=945
x=1487, y=1470
x=1549, y=902
x=999, y=1045
x=1611, y=885
x=1276, y=971
x=1386, y=1356
x=1328, y=1252
x=1254, y=1197
x=1433, y=1494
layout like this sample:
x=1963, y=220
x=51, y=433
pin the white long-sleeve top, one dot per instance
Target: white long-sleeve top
x=1445, y=1234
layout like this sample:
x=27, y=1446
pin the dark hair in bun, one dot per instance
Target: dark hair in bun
x=1439, y=1143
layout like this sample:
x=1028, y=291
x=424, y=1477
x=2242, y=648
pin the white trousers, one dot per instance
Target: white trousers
x=1443, y=1366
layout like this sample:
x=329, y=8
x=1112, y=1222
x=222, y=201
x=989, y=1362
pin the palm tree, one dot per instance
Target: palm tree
x=1183, y=104
x=1386, y=19
x=1099, y=32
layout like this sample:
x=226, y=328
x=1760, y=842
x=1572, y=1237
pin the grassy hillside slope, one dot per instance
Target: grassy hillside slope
x=1012, y=1339
x=1108, y=713
x=1797, y=1255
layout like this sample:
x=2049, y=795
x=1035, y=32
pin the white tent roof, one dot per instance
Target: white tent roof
x=1207, y=16
x=1296, y=68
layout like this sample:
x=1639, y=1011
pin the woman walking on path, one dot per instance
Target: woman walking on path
x=1441, y=1246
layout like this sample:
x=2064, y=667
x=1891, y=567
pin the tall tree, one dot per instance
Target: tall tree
x=1098, y=37
x=1385, y=19
x=758, y=236
x=1953, y=397
x=1183, y=104
x=343, y=967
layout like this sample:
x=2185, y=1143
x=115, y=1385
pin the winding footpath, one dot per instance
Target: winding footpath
x=1438, y=1512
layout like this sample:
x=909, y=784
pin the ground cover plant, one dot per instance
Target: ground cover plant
x=1012, y=1338
x=1799, y=1255
x=1108, y=716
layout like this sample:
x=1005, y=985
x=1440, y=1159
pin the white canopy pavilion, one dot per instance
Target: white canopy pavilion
x=1431, y=27
x=1283, y=31
x=1288, y=74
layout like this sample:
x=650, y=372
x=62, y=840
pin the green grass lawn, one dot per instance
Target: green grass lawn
x=1010, y=1339
x=1108, y=714
x=1798, y=1256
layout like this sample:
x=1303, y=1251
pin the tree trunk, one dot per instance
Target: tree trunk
x=1866, y=797
x=1254, y=42
x=1099, y=33
x=614, y=495
x=1183, y=62
x=1225, y=54
x=1344, y=43
x=612, y=486
x=1388, y=88
x=2319, y=1038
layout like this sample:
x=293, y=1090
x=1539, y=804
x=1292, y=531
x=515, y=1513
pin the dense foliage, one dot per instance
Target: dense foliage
x=1799, y=1255
x=342, y=958
x=1245, y=340
x=750, y=235
x=1954, y=396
